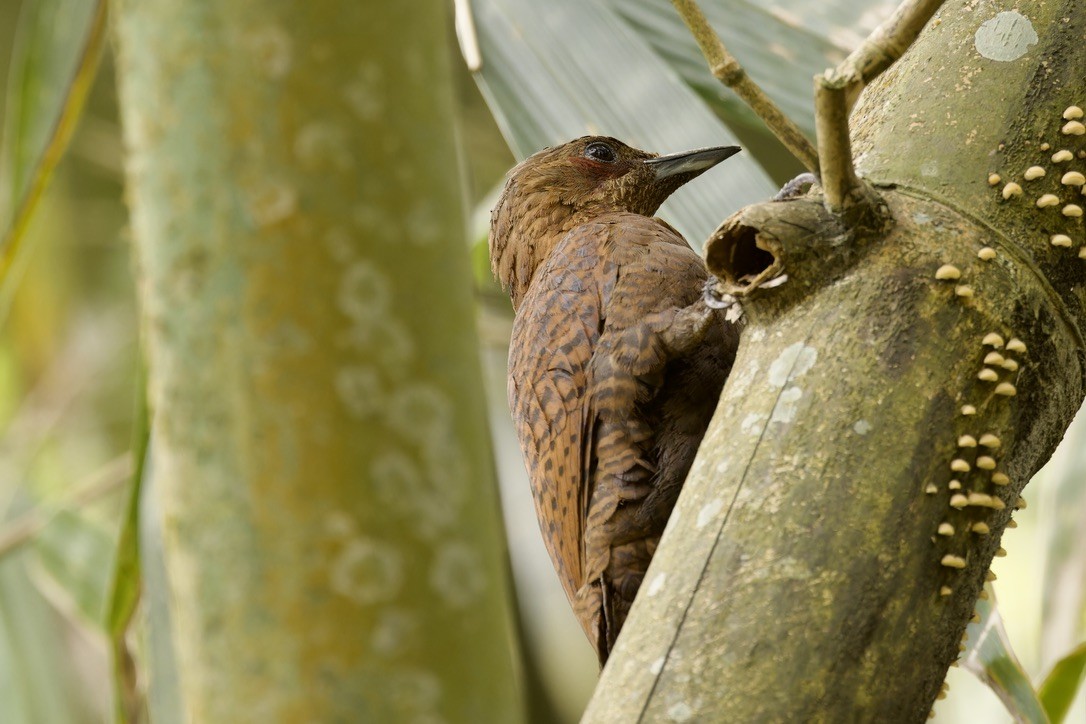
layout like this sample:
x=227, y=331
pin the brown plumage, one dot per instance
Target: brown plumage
x=615, y=362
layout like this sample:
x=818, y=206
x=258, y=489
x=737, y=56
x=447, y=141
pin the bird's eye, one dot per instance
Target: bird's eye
x=599, y=151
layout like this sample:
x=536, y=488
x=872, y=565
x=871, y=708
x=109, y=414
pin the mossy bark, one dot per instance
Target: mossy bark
x=818, y=566
x=329, y=510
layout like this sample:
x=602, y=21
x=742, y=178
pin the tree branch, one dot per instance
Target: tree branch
x=728, y=71
x=887, y=43
x=837, y=90
x=328, y=510
x=890, y=399
x=839, y=180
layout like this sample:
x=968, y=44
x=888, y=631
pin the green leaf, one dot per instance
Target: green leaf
x=126, y=580
x=58, y=44
x=1060, y=687
x=561, y=69
x=77, y=554
x=990, y=658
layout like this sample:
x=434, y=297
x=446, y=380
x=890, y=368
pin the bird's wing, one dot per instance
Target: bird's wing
x=555, y=332
x=573, y=406
x=656, y=275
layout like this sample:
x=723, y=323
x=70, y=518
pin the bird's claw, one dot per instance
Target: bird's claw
x=775, y=281
x=714, y=298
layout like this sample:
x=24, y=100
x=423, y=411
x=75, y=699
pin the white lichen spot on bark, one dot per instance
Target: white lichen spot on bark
x=1008, y=36
x=367, y=571
x=781, y=567
x=271, y=49
x=657, y=584
x=364, y=292
x=752, y=423
x=709, y=512
x=680, y=712
x=428, y=482
x=270, y=202
x=862, y=427
x=785, y=409
x=673, y=522
x=796, y=360
x=697, y=467
x=429, y=501
x=424, y=478
x=740, y=381
x=457, y=574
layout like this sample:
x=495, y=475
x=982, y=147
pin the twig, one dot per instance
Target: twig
x=888, y=42
x=839, y=179
x=837, y=90
x=75, y=97
x=105, y=480
x=729, y=72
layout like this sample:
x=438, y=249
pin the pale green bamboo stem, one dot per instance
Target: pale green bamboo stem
x=330, y=518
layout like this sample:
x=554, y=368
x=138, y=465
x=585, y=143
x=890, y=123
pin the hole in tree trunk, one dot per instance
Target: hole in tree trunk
x=736, y=257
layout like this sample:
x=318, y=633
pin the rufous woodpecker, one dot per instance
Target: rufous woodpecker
x=616, y=361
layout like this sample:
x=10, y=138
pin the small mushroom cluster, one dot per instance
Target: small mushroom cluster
x=976, y=487
x=952, y=273
x=1055, y=183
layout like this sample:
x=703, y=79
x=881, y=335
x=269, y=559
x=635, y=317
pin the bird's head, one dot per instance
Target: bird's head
x=559, y=188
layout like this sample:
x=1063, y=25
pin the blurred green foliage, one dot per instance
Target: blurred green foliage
x=69, y=354
x=1060, y=687
x=66, y=362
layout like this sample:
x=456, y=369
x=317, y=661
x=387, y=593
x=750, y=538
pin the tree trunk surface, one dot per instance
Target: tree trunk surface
x=839, y=521
x=331, y=527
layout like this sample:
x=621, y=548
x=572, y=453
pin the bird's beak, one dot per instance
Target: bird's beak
x=690, y=162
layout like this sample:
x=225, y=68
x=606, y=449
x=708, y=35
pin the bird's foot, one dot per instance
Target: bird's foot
x=687, y=329
x=714, y=298
x=796, y=187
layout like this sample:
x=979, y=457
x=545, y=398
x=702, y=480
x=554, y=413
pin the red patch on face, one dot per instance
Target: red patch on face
x=600, y=169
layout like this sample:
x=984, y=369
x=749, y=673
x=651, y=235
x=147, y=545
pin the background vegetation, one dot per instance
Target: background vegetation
x=69, y=356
